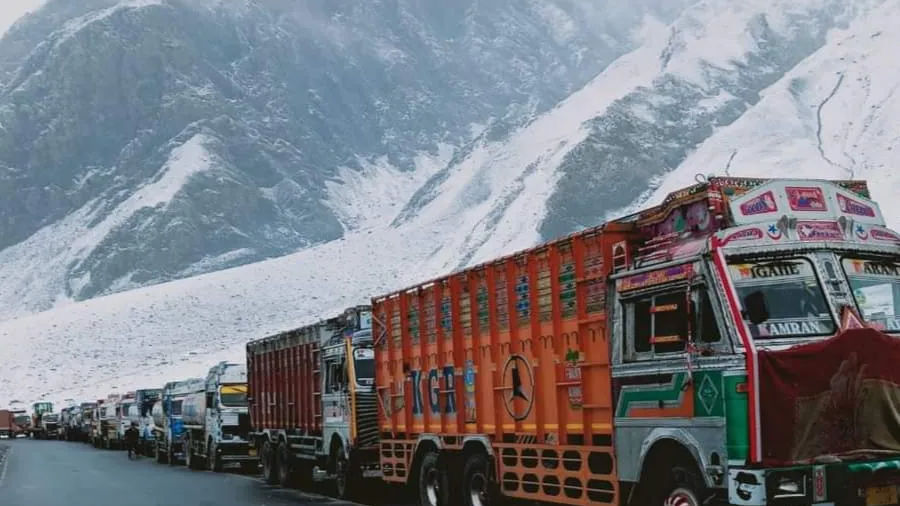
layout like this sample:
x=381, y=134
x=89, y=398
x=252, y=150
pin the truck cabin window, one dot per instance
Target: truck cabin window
x=364, y=365
x=660, y=323
x=233, y=396
x=781, y=299
x=176, y=408
x=876, y=288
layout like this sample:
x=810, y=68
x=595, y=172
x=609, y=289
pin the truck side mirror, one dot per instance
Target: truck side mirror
x=755, y=308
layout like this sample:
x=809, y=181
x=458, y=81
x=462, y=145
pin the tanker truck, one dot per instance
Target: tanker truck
x=167, y=419
x=217, y=421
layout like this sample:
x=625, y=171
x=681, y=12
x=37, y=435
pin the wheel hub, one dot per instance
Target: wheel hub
x=432, y=486
x=681, y=497
x=478, y=490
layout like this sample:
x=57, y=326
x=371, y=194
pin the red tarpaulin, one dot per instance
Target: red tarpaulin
x=838, y=397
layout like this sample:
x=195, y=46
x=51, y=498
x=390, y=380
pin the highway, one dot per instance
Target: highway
x=48, y=473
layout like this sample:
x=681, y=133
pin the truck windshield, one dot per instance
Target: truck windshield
x=364, y=364
x=781, y=299
x=876, y=288
x=234, y=395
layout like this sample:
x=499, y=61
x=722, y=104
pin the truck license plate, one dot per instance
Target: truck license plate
x=881, y=496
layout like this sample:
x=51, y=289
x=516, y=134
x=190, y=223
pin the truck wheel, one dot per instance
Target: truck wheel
x=682, y=487
x=432, y=483
x=170, y=455
x=342, y=482
x=213, y=461
x=268, y=462
x=477, y=487
x=282, y=465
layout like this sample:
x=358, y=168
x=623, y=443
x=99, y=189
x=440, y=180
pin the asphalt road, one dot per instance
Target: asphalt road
x=49, y=473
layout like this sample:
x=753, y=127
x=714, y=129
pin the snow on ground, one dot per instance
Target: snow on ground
x=833, y=117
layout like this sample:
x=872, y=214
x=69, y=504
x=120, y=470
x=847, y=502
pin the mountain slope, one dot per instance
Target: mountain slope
x=287, y=97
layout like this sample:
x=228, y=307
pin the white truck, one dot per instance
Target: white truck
x=217, y=421
x=107, y=435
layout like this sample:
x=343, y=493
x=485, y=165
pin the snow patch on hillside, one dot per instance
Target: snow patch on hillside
x=832, y=117
x=35, y=270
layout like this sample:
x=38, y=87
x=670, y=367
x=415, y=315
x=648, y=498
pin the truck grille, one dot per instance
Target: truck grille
x=366, y=419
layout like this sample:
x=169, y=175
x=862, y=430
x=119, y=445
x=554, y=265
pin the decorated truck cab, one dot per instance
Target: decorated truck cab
x=754, y=347
x=737, y=343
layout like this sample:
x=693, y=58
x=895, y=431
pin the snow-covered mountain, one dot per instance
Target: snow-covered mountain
x=148, y=140
x=757, y=88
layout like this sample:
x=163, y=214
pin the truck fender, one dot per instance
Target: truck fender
x=428, y=440
x=682, y=438
x=337, y=439
x=478, y=442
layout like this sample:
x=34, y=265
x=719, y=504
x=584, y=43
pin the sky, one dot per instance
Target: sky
x=11, y=10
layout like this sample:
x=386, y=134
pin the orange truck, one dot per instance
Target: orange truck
x=736, y=344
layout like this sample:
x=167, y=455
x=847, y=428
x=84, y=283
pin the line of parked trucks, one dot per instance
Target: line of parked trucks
x=736, y=344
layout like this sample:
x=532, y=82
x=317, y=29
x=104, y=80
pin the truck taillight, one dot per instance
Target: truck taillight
x=742, y=388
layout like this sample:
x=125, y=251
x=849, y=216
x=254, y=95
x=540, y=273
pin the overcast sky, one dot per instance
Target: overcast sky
x=11, y=10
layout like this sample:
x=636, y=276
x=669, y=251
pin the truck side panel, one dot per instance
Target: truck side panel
x=515, y=351
x=283, y=379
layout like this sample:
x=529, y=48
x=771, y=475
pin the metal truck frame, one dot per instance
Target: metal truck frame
x=224, y=436
x=313, y=418
x=621, y=365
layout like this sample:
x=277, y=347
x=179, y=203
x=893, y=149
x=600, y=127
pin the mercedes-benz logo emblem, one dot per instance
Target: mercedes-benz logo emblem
x=518, y=378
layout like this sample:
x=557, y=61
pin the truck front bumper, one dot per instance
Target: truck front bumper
x=868, y=483
x=236, y=452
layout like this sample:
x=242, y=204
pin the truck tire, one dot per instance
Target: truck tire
x=283, y=465
x=343, y=484
x=270, y=474
x=432, y=483
x=213, y=461
x=160, y=456
x=170, y=455
x=680, y=486
x=478, y=487
x=191, y=459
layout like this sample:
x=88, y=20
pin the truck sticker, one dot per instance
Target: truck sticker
x=804, y=198
x=750, y=234
x=415, y=380
x=819, y=231
x=575, y=392
x=450, y=387
x=810, y=327
x=761, y=204
x=518, y=384
x=663, y=276
x=645, y=397
x=434, y=392
x=469, y=381
x=850, y=206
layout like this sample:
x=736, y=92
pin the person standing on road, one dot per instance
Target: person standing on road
x=131, y=439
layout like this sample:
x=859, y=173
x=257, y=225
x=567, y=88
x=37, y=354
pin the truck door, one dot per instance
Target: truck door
x=335, y=407
x=671, y=370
